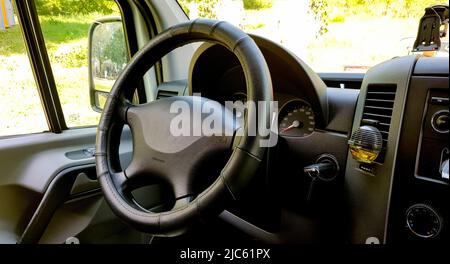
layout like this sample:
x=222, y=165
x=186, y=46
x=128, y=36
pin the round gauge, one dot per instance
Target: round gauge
x=296, y=119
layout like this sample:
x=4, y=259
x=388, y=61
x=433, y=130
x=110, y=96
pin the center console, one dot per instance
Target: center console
x=403, y=195
x=420, y=205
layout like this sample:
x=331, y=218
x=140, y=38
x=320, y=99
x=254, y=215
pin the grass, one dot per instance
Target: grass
x=57, y=30
x=8, y=42
x=66, y=39
x=21, y=110
x=103, y=84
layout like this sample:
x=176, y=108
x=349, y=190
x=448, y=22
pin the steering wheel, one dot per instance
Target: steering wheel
x=176, y=159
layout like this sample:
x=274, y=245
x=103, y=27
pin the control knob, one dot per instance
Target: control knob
x=439, y=121
x=423, y=221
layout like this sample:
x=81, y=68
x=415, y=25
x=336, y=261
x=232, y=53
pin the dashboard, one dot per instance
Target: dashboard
x=215, y=73
x=400, y=197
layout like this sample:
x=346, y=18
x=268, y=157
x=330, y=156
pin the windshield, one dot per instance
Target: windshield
x=329, y=35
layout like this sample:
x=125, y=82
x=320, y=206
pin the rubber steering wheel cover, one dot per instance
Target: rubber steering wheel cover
x=245, y=158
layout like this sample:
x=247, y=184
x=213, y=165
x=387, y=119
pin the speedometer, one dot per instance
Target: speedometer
x=296, y=119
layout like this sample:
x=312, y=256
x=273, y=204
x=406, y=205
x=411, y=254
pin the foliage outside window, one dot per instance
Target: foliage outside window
x=111, y=53
x=330, y=35
x=257, y=4
x=21, y=110
x=65, y=26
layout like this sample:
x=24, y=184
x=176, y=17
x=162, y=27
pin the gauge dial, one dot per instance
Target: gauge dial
x=296, y=119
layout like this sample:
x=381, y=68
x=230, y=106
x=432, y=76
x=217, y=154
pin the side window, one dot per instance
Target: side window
x=21, y=110
x=65, y=26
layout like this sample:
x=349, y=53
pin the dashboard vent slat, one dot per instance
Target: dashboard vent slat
x=165, y=94
x=378, y=108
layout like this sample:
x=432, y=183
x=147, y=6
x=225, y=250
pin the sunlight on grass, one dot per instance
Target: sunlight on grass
x=60, y=29
x=21, y=111
x=66, y=39
x=8, y=42
x=56, y=29
x=357, y=42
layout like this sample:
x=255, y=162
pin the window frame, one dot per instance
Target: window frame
x=40, y=63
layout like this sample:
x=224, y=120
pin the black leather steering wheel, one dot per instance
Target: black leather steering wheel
x=175, y=159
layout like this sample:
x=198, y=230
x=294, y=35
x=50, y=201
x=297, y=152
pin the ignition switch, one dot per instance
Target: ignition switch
x=325, y=169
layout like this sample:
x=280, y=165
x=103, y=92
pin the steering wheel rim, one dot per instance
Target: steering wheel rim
x=245, y=157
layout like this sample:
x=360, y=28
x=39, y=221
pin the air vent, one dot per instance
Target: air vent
x=165, y=94
x=378, y=109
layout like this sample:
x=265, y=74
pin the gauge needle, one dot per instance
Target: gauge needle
x=294, y=125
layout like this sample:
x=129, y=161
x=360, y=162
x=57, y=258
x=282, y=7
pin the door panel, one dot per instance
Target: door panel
x=17, y=205
x=48, y=188
x=32, y=164
x=91, y=221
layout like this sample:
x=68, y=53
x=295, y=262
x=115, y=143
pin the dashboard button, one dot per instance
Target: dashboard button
x=439, y=121
x=439, y=100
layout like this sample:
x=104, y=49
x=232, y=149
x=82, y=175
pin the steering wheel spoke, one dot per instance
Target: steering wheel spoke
x=119, y=180
x=122, y=108
x=182, y=202
x=237, y=136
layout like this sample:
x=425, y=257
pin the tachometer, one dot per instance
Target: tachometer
x=296, y=118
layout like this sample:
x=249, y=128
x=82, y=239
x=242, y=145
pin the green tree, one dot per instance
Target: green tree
x=257, y=4
x=327, y=10
x=109, y=49
x=184, y=6
x=392, y=8
x=205, y=8
x=75, y=7
x=319, y=8
x=114, y=50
